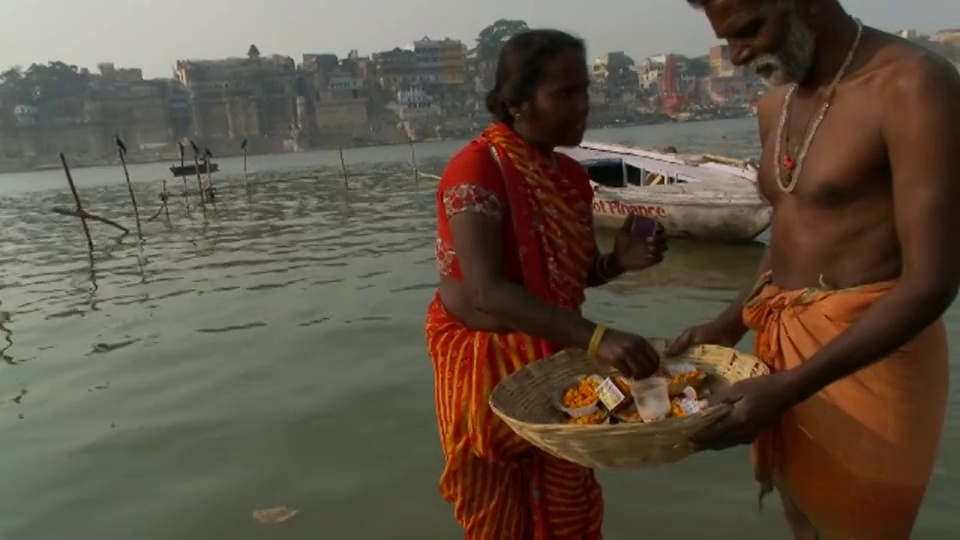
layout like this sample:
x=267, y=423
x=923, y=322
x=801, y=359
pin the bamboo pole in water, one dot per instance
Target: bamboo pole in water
x=196, y=165
x=186, y=199
x=211, y=194
x=165, y=197
x=81, y=213
x=122, y=152
x=413, y=156
x=343, y=165
x=243, y=148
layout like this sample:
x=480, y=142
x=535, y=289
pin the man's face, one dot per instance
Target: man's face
x=768, y=37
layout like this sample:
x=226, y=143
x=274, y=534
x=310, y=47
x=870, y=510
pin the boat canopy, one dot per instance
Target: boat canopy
x=668, y=165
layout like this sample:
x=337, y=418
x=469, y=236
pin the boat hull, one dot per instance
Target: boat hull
x=190, y=170
x=701, y=217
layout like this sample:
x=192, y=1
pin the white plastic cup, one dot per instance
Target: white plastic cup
x=652, y=398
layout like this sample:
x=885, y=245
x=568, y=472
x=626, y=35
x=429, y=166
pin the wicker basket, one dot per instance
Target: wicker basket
x=523, y=401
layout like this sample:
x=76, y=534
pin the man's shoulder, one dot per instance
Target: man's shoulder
x=908, y=70
x=768, y=107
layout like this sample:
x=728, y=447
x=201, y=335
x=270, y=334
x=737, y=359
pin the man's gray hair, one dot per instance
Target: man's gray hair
x=700, y=4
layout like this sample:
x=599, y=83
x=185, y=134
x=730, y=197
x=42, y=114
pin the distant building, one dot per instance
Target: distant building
x=947, y=37
x=720, y=63
x=241, y=97
x=415, y=105
x=650, y=73
x=396, y=69
x=727, y=89
x=26, y=115
x=426, y=53
x=336, y=91
x=910, y=33
x=453, y=62
x=109, y=72
x=613, y=73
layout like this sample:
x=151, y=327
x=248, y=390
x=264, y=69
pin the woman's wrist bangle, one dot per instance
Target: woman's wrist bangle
x=594, y=348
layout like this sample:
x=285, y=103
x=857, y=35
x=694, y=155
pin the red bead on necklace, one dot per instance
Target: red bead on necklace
x=788, y=163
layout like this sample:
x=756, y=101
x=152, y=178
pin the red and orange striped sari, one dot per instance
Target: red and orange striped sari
x=501, y=487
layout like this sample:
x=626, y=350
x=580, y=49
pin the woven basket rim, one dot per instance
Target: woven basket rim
x=521, y=400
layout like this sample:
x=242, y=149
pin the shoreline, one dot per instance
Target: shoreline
x=52, y=163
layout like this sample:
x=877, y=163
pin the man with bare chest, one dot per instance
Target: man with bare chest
x=860, y=134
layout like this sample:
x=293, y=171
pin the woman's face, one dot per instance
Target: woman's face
x=558, y=113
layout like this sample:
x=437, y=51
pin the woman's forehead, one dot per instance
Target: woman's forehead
x=570, y=64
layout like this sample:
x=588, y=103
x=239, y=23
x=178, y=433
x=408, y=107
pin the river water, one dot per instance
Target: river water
x=270, y=352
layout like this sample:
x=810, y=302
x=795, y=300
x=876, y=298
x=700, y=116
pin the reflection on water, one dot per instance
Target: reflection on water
x=268, y=350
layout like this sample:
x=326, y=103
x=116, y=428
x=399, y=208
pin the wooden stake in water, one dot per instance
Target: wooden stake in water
x=243, y=148
x=343, y=165
x=122, y=152
x=196, y=165
x=183, y=177
x=211, y=194
x=81, y=213
x=165, y=197
x=413, y=157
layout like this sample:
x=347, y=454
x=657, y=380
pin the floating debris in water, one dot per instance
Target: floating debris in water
x=272, y=516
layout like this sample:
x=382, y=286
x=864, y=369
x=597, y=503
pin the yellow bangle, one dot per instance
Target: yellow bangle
x=594, y=346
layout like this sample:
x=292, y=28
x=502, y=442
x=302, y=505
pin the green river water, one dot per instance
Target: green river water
x=272, y=353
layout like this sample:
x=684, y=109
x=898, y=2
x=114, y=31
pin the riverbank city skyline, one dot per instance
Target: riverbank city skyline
x=136, y=35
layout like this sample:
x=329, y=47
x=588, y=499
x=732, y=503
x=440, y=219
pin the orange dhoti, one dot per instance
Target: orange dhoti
x=855, y=460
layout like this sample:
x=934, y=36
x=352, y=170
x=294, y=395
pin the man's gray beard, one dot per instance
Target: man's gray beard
x=792, y=62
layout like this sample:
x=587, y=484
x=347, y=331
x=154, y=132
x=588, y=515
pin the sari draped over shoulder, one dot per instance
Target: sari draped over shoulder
x=854, y=461
x=501, y=487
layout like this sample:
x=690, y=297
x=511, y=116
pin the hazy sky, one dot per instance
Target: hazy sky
x=152, y=34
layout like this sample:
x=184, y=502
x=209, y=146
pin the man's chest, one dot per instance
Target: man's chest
x=827, y=162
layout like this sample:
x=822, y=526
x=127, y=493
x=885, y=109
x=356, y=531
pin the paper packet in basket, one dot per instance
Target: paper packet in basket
x=609, y=394
x=690, y=403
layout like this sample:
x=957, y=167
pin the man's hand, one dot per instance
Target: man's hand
x=717, y=332
x=756, y=404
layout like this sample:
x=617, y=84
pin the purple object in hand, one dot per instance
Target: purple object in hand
x=644, y=226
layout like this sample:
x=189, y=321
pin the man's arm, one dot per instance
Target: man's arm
x=921, y=129
x=732, y=317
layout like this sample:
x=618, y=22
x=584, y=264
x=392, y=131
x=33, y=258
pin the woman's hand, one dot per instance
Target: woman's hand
x=629, y=354
x=638, y=250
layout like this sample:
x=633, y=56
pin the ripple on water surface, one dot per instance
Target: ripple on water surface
x=268, y=351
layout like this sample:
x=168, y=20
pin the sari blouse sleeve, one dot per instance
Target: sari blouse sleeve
x=472, y=182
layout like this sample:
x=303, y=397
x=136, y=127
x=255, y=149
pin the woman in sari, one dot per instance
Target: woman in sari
x=516, y=251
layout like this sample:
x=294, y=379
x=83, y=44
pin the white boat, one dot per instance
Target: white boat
x=695, y=197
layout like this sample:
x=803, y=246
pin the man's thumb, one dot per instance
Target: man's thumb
x=679, y=345
x=628, y=222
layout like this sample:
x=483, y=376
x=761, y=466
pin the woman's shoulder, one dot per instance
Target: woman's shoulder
x=570, y=164
x=473, y=164
x=474, y=155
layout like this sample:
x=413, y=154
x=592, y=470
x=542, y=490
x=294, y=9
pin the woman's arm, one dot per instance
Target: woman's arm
x=477, y=240
x=605, y=269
